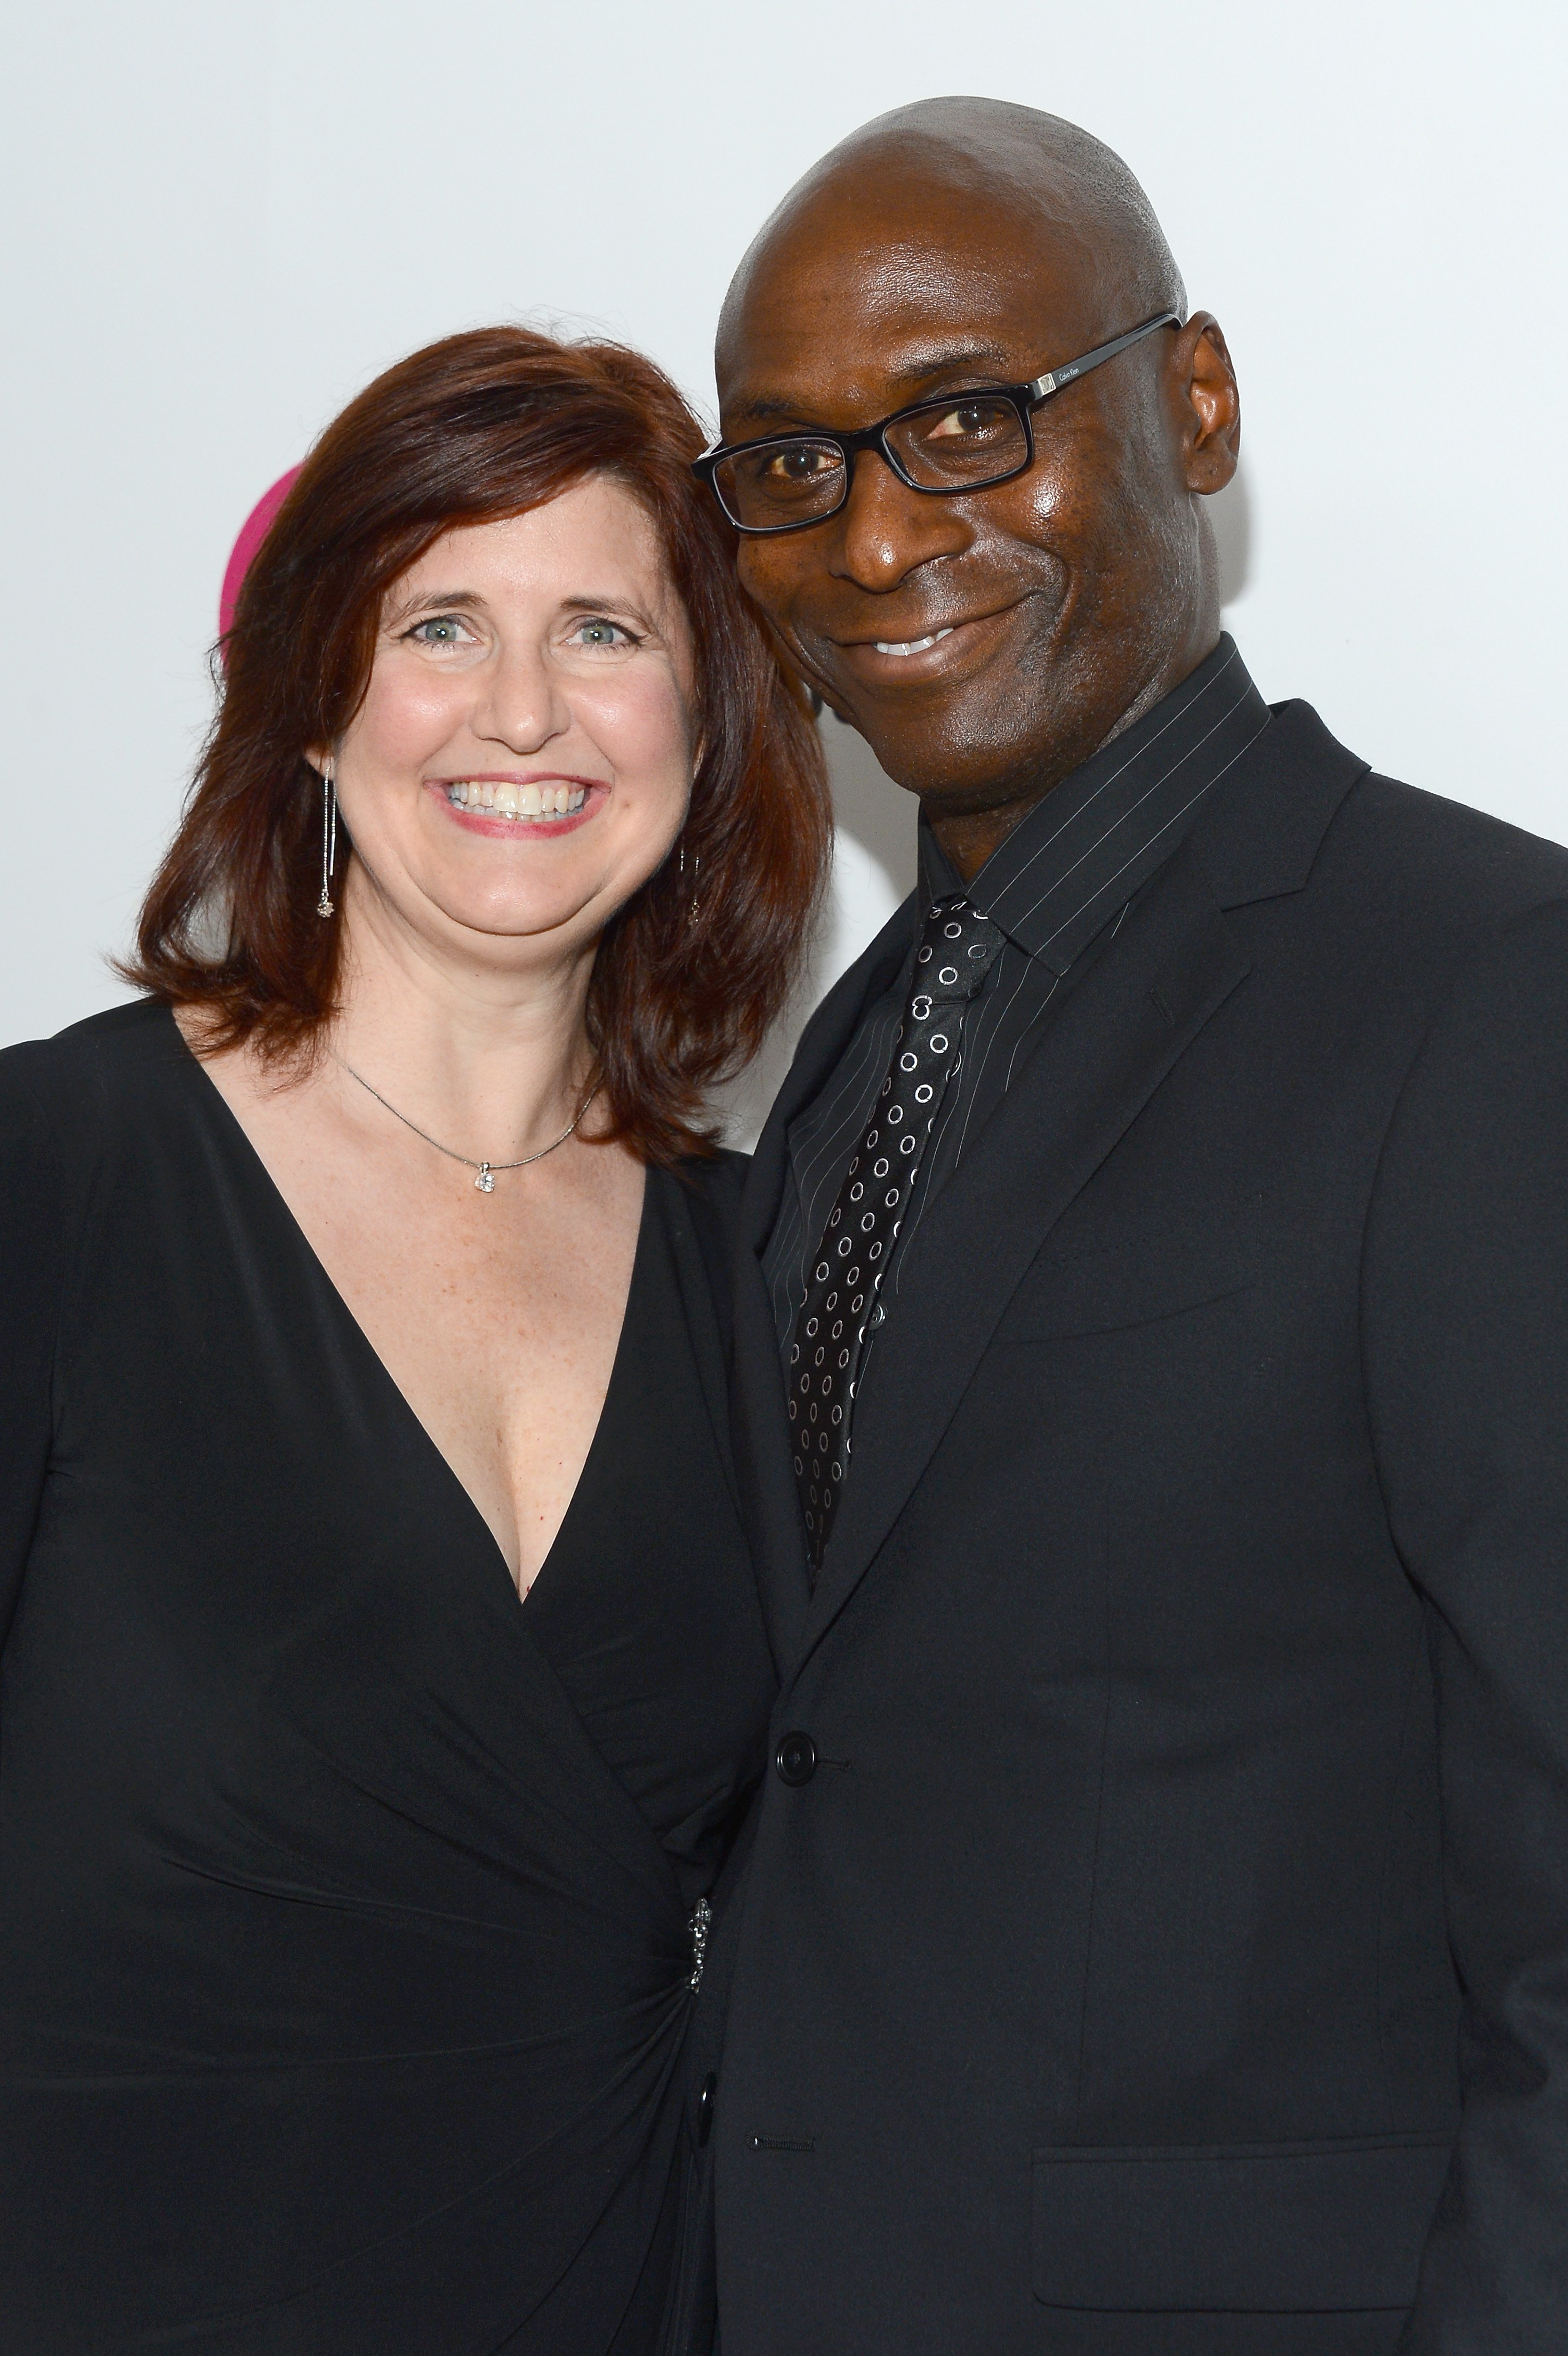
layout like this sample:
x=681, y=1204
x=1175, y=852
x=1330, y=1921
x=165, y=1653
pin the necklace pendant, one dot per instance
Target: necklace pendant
x=485, y=1183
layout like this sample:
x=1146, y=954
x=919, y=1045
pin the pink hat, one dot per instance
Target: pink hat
x=252, y=532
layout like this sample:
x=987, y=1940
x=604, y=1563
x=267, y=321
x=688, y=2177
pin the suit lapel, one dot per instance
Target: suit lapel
x=1133, y=1014
x=823, y=1043
x=760, y=1423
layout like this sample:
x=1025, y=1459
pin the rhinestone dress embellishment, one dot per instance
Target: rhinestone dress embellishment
x=702, y=1920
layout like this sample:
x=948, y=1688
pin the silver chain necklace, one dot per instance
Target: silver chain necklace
x=485, y=1183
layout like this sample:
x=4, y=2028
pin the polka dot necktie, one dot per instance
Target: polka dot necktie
x=957, y=947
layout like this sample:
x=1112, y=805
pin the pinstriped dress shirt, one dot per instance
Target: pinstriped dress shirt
x=1058, y=888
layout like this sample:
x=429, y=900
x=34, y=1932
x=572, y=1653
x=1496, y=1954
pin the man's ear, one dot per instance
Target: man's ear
x=1211, y=405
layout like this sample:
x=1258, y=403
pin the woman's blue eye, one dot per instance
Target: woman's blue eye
x=600, y=633
x=441, y=630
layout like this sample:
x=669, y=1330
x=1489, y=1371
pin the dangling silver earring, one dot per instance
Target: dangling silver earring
x=328, y=840
x=696, y=870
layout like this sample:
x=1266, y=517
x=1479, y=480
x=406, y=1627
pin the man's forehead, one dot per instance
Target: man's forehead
x=825, y=387
x=877, y=296
x=884, y=340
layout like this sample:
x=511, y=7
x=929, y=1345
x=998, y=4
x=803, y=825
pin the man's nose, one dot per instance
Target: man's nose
x=521, y=705
x=886, y=531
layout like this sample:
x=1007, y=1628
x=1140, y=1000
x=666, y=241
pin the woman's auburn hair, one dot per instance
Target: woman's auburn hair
x=482, y=427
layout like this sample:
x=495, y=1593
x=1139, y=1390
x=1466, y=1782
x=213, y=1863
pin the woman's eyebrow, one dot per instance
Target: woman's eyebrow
x=399, y=607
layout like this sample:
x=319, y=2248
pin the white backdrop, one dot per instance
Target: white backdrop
x=221, y=220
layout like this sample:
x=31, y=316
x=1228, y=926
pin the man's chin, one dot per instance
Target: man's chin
x=957, y=756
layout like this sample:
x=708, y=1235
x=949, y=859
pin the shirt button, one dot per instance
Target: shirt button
x=705, y=2108
x=796, y=1760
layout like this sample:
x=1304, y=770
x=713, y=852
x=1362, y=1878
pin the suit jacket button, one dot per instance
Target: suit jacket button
x=796, y=1760
x=705, y=2108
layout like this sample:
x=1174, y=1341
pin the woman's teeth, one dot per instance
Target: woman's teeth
x=507, y=800
x=913, y=646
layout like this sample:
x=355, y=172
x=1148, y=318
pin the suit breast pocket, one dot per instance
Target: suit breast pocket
x=1153, y=1272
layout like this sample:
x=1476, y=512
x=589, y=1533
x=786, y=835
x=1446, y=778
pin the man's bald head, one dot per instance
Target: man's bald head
x=1011, y=163
x=986, y=641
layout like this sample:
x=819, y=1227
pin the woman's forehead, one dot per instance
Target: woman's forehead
x=599, y=524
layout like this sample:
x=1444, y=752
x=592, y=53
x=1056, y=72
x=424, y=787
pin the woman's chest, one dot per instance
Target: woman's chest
x=501, y=1335
x=242, y=1505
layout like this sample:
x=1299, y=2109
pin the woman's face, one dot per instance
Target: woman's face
x=523, y=758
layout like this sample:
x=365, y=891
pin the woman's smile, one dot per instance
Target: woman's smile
x=510, y=804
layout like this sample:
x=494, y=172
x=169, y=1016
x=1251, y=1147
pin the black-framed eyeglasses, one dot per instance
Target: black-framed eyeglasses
x=959, y=441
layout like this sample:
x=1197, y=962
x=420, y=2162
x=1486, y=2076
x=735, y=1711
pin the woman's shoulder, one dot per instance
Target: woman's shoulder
x=715, y=1181
x=62, y=1102
x=98, y=1050
x=79, y=1083
x=722, y=1172
x=702, y=1195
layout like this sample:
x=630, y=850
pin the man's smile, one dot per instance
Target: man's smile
x=938, y=650
x=914, y=646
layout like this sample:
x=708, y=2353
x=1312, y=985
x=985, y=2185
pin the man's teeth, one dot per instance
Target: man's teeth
x=913, y=646
x=507, y=800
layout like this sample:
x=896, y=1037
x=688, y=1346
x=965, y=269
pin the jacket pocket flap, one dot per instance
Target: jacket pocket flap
x=1096, y=1287
x=1321, y=2227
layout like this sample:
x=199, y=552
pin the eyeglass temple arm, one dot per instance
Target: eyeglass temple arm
x=1043, y=386
x=1039, y=388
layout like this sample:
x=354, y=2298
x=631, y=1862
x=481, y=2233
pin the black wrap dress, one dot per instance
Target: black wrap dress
x=345, y=1898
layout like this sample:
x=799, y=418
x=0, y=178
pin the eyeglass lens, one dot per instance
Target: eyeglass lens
x=942, y=446
x=783, y=483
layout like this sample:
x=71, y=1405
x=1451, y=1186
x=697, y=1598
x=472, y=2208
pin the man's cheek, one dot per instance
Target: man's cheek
x=765, y=580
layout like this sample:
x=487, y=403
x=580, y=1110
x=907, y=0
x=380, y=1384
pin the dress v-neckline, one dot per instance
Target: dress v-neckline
x=384, y=1373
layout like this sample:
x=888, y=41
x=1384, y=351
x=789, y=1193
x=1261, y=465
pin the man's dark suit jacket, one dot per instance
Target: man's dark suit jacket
x=1167, y=1954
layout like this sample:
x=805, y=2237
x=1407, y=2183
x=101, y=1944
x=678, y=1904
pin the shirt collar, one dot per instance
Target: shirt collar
x=1082, y=852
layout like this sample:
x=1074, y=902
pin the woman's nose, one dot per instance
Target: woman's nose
x=521, y=705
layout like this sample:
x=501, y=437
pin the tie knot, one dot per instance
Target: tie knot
x=958, y=948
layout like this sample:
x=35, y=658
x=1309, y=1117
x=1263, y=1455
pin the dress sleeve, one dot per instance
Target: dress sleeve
x=33, y=1221
x=1465, y=1332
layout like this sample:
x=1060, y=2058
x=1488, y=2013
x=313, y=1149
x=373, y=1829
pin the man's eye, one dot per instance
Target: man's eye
x=801, y=462
x=972, y=420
